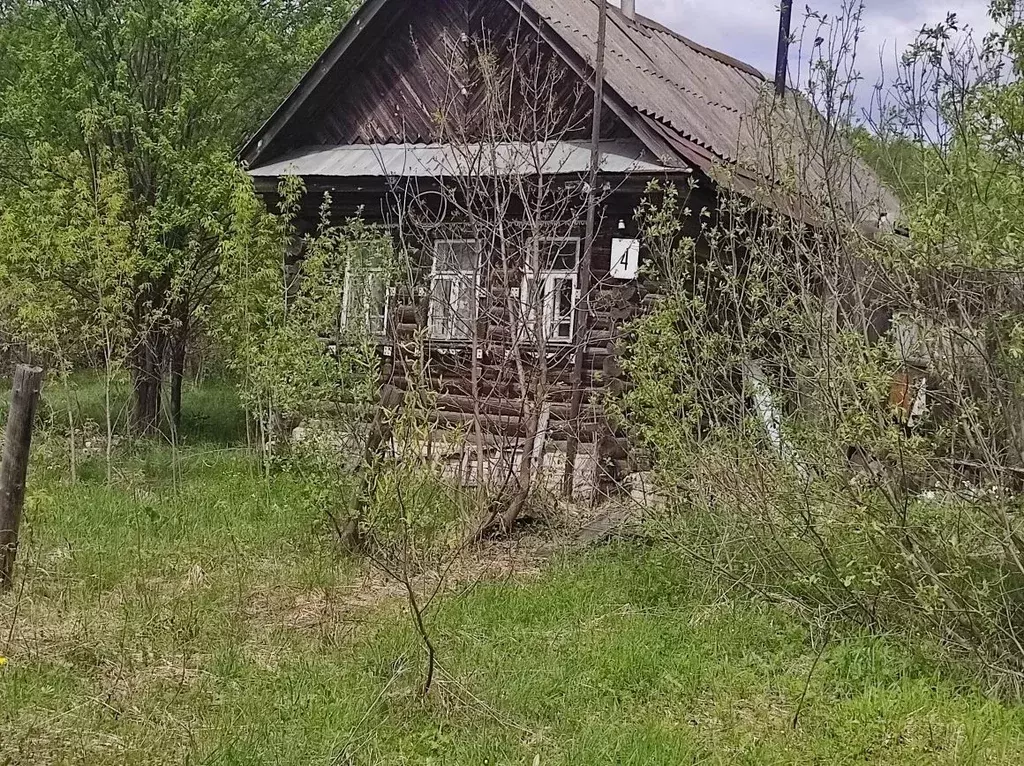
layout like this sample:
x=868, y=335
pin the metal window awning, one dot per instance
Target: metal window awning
x=461, y=160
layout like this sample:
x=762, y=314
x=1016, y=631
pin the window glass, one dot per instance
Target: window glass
x=364, y=302
x=551, y=294
x=454, y=290
x=559, y=254
x=455, y=255
x=563, y=301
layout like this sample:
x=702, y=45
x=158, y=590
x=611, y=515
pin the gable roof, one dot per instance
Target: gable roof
x=699, y=94
x=690, y=106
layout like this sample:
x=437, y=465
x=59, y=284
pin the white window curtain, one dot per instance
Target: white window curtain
x=364, y=305
x=454, y=289
x=551, y=288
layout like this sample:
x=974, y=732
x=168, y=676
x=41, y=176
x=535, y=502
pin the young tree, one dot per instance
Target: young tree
x=498, y=235
x=157, y=93
x=837, y=416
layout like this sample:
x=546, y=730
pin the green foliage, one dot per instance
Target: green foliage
x=777, y=413
x=835, y=421
x=295, y=313
x=899, y=161
x=281, y=301
x=285, y=311
x=207, y=620
x=165, y=83
x=67, y=262
x=118, y=122
x=951, y=140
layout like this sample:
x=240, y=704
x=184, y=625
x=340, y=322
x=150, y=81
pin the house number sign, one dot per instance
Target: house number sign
x=625, y=258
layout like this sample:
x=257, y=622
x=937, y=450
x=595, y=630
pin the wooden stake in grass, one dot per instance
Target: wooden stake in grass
x=17, y=441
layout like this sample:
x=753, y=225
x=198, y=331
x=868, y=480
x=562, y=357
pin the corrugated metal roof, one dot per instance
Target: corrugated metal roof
x=713, y=111
x=721, y=105
x=660, y=74
x=438, y=160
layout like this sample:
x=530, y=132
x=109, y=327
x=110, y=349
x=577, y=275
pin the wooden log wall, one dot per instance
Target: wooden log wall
x=449, y=365
x=451, y=368
x=416, y=79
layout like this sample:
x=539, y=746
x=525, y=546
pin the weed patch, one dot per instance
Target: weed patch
x=197, y=610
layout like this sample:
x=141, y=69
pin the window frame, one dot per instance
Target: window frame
x=461, y=279
x=548, y=277
x=345, y=316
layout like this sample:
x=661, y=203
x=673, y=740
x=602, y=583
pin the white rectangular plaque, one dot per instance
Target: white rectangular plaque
x=625, y=258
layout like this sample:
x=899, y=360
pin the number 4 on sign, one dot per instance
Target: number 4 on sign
x=625, y=258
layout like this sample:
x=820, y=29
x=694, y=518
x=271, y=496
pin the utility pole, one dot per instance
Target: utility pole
x=782, y=57
x=582, y=310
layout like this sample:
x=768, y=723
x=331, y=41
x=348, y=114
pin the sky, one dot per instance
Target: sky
x=748, y=29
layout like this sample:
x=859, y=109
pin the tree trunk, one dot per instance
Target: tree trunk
x=147, y=379
x=177, y=375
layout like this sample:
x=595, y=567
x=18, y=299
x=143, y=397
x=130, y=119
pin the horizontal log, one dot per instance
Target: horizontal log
x=440, y=377
x=497, y=388
x=458, y=360
x=517, y=427
x=511, y=407
x=491, y=406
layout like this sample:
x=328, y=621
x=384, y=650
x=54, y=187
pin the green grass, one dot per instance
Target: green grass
x=197, y=613
x=212, y=413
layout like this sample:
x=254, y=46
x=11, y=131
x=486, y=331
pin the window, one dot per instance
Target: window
x=552, y=292
x=454, y=288
x=364, y=302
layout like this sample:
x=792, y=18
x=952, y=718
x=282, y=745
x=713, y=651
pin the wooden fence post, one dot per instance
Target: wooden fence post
x=17, y=440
